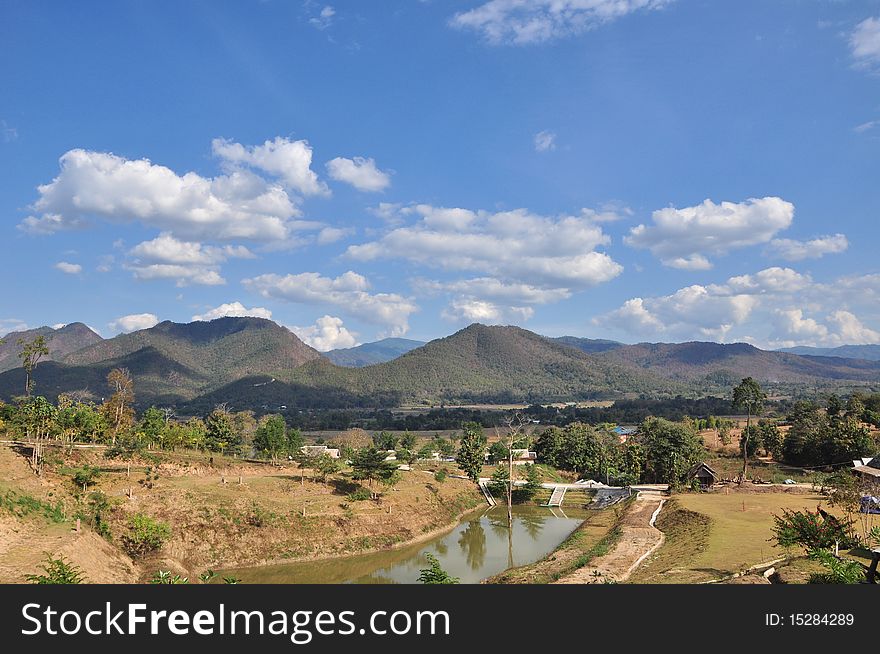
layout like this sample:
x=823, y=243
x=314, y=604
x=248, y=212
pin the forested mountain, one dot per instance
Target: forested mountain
x=61, y=342
x=255, y=363
x=368, y=354
x=867, y=352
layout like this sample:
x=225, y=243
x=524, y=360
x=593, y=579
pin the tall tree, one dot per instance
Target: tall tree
x=118, y=408
x=31, y=353
x=271, y=436
x=471, y=451
x=369, y=464
x=220, y=433
x=748, y=395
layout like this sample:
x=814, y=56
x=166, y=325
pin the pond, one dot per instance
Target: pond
x=480, y=546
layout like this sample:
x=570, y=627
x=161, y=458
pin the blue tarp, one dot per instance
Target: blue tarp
x=869, y=504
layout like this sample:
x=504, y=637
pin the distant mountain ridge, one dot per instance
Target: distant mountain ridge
x=369, y=354
x=866, y=352
x=61, y=342
x=256, y=363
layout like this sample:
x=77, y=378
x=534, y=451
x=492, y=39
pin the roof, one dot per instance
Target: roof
x=870, y=469
x=702, y=466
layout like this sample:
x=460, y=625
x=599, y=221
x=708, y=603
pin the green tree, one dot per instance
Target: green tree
x=369, y=464
x=220, y=434
x=498, y=452
x=145, y=535
x=748, y=396
x=270, y=439
x=434, y=574
x=325, y=465
x=86, y=476
x=771, y=438
x=499, y=481
x=152, y=425
x=471, y=451
x=670, y=449
x=31, y=352
x=532, y=486
x=408, y=441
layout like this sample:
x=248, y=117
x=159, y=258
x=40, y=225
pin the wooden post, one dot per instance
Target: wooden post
x=130, y=493
x=128, y=470
x=239, y=480
x=77, y=525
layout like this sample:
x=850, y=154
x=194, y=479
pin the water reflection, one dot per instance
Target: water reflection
x=473, y=544
x=486, y=545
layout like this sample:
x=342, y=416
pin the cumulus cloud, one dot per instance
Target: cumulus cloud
x=775, y=307
x=864, y=42
x=792, y=250
x=523, y=258
x=237, y=205
x=8, y=325
x=290, y=161
x=134, y=322
x=328, y=333
x=545, y=141
x=332, y=234
x=233, y=310
x=359, y=172
x=536, y=21
x=470, y=310
x=685, y=238
x=187, y=262
x=348, y=292
x=68, y=268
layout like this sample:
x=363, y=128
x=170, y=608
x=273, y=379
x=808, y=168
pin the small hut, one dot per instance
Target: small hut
x=704, y=474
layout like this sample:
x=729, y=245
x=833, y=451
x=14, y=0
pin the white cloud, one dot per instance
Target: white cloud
x=323, y=19
x=524, y=258
x=865, y=127
x=534, y=21
x=329, y=235
x=8, y=134
x=328, y=333
x=514, y=245
x=792, y=250
x=776, y=307
x=187, y=262
x=684, y=238
x=234, y=310
x=359, y=172
x=134, y=322
x=474, y=310
x=348, y=292
x=68, y=268
x=545, y=141
x=290, y=161
x=236, y=205
x=864, y=42
x=8, y=325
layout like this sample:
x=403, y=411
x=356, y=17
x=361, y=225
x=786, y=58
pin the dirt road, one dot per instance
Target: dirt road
x=638, y=539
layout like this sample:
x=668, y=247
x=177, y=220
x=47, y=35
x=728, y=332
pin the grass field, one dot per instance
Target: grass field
x=713, y=535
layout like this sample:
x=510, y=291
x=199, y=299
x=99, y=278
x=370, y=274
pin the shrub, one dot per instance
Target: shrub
x=441, y=475
x=165, y=577
x=145, y=535
x=838, y=571
x=58, y=571
x=359, y=495
x=435, y=574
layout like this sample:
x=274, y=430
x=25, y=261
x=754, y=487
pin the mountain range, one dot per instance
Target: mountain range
x=368, y=354
x=61, y=342
x=256, y=363
x=867, y=352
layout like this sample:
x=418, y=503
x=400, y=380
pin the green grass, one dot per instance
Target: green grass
x=23, y=505
x=713, y=535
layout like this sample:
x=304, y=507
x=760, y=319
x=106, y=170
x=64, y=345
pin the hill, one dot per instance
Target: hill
x=61, y=342
x=476, y=364
x=588, y=345
x=705, y=366
x=866, y=352
x=368, y=354
x=175, y=361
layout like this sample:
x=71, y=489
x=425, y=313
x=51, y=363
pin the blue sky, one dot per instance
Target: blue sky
x=630, y=169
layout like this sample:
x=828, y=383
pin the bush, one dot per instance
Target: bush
x=58, y=571
x=839, y=571
x=359, y=495
x=165, y=577
x=145, y=535
x=435, y=574
x=441, y=475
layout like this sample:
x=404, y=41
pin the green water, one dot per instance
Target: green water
x=480, y=546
